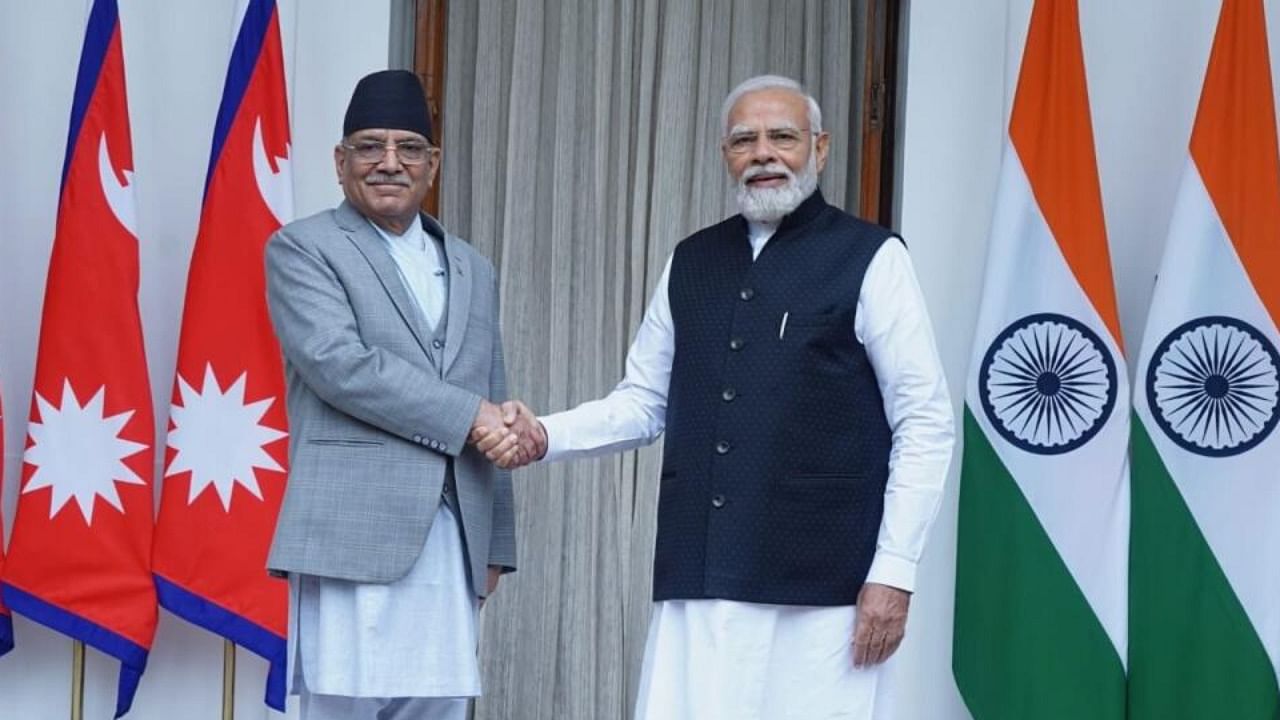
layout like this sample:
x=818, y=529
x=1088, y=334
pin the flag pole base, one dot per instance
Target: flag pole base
x=77, y=680
x=228, y=680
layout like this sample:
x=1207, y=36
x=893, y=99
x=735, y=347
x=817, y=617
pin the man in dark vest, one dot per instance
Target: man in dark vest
x=788, y=357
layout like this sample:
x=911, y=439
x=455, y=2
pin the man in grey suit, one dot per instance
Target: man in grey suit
x=393, y=529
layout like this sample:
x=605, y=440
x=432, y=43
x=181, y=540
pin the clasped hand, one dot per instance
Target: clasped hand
x=508, y=434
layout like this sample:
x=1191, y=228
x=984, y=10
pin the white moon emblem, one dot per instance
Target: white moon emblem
x=119, y=196
x=276, y=187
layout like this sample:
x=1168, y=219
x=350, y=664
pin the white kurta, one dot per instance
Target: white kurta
x=701, y=653
x=415, y=637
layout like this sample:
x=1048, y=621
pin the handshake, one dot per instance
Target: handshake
x=508, y=434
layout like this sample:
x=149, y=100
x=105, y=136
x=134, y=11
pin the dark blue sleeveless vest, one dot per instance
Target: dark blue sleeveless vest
x=777, y=446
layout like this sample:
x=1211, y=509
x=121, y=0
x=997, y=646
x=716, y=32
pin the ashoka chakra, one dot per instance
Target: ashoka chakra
x=1213, y=386
x=1047, y=383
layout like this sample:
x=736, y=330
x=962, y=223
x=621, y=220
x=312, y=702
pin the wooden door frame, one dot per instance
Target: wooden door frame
x=879, y=120
x=429, y=44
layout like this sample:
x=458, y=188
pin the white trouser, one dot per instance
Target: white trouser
x=725, y=660
x=415, y=637
x=338, y=707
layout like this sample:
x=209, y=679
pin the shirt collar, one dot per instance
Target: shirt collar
x=414, y=238
x=757, y=230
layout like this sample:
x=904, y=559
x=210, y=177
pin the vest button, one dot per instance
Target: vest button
x=729, y=394
x=736, y=344
x=746, y=293
x=437, y=344
x=722, y=447
x=717, y=501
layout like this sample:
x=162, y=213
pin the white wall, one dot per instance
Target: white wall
x=1145, y=61
x=175, y=61
x=951, y=157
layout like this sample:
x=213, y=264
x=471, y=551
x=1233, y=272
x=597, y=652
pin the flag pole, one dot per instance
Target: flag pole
x=228, y=680
x=77, y=680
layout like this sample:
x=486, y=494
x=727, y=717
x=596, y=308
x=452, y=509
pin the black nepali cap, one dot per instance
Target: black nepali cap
x=392, y=99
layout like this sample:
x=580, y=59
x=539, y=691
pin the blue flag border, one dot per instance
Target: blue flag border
x=132, y=656
x=207, y=614
x=244, y=59
x=104, y=18
x=6, y=633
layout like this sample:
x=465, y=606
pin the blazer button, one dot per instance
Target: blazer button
x=736, y=344
x=722, y=447
x=417, y=439
x=717, y=501
x=746, y=293
x=729, y=394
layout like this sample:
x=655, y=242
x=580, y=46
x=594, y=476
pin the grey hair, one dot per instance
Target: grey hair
x=770, y=82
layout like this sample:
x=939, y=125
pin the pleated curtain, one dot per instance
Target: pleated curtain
x=581, y=143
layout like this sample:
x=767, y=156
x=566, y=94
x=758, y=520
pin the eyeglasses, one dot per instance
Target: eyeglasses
x=410, y=152
x=780, y=138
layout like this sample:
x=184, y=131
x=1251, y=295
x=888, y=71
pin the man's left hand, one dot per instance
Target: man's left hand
x=491, y=583
x=882, y=621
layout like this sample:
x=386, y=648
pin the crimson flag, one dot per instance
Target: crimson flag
x=6, y=621
x=80, y=557
x=225, y=472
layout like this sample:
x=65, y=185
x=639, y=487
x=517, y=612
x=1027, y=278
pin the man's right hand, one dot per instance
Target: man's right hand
x=491, y=436
x=520, y=424
x=530, y=433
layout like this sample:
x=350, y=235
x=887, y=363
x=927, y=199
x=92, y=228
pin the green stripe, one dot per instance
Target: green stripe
x=1193, y=653
x=1027, y=644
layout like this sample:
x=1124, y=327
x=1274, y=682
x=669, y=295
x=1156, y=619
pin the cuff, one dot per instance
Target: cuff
x=502, y=550
x=893, y=570
x=462, y=426
x=557, y=435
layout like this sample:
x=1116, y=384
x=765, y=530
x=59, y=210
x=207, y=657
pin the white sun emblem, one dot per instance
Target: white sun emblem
x=78, y=452
x=219, y=439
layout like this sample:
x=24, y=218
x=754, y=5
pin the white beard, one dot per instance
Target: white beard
x=769, y=205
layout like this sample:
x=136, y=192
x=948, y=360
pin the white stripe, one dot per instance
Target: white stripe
x=1234, y=499
x=1080, y=497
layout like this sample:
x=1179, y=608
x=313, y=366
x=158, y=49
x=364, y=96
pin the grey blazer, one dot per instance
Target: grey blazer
x=375, y=412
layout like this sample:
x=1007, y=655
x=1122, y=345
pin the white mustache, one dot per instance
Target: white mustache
x=384, y=179
x=770, y=169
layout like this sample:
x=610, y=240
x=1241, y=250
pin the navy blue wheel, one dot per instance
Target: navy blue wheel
x=1213, y=386
x=1047, y=383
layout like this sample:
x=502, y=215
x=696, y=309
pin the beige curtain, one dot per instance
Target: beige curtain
x=580, y=144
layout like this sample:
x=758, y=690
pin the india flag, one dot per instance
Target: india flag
x=1041, y=569
x=1205, y=584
